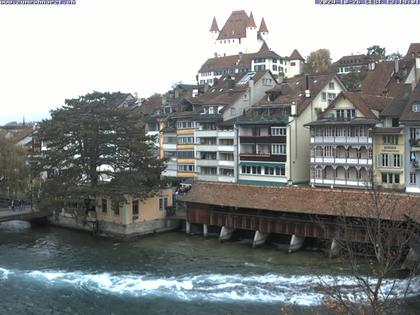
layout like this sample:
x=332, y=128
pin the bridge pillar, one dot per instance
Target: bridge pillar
x=334, y=249
x=205, y=230
x=259, y=239
x=225, y=233
x=412, y=260
x=187, y=227
x=295, y=243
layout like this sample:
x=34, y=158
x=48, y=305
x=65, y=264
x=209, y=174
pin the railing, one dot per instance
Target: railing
x=342, y=182
x=339, y=160
x=350, y=140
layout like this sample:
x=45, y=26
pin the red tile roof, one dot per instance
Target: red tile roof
x=412, y=50
x=263, y=27
x=251, y=21
x=352, y=60
x=408, y=114
x=296, y=56
x=359, y=203
x=214, y=27
x=235, y=26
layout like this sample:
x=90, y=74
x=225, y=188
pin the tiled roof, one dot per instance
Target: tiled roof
x=293, y=90
x=408, y=114
x=384, y=81
x=263, y=28
x=251, y=21
x=235, y=26
x=242, y=61
x=214, y=27
x=296, y=55
x=352, y=60
x=22, y=133
x=363, y=102
x=397, y=105
x=412, y=50
x=151, y=104
x=359, y=203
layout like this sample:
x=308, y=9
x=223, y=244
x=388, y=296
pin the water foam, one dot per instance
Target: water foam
x=269, y=288
x=4, y=273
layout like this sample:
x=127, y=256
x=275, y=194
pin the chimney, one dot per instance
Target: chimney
x=372, y=65
x=307, y=90
x=396, y=66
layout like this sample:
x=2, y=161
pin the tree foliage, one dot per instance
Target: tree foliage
x=353, y=80
x=318, y=61
x=96, y=149
x=376, y=53
x=14, y=172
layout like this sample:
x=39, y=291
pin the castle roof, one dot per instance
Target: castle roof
x=214, y=27
x=263, y=27
x=235, y=26
x=296, y=56
x=413, y=50
x=251, y=21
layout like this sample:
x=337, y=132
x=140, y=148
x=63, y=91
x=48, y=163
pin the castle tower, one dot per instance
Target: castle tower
x=263, y=30
x=251, y=40
x=296, y=64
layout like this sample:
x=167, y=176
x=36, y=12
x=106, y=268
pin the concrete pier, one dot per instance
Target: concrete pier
x=334, y=249
x=225, y=233
x=259, y=239
x=187, y=227
x=205, y=230
x=295, y=243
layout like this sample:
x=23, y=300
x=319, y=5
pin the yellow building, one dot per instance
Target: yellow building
x=388, y=149
x=136, y=217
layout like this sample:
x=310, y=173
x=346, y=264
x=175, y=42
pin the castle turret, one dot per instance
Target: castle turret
x=251, y=35
x=296, y=64
x=263, y=30
x=214, y=29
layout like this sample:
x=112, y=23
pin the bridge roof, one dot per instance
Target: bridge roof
x=306, y=200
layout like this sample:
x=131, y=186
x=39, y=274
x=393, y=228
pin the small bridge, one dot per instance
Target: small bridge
x=24, y=214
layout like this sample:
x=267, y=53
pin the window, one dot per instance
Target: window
x=184, y=124
x=331, y=85
x=328, y=151
x=274, y=67
x=169, y=139
x=135, y=207
x=412, y=178
x=225, y=156
x=415, y=108
x=104, y=205
x=226, y=172
x=259, y=67
x=396, y=160
x=169, y=154
x=208, y=141
x=163, y=203
x=117, y=209
x=225, y=141
x=412, y=156
x=185, y=168
x=340, y=114
x=331, y=96
x=390, y=139
x=278, y=131
x=412, y=133
x=185, y=154
x=292, y=64
x=274, y=171
x=253, y=170
x=208, y=156
x=232, y=111
x=324, y=96
x=278, y=149
x=186, y=140
x=384, y=160
x=390, y=178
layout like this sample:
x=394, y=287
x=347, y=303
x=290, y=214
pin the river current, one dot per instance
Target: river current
x=47, y=270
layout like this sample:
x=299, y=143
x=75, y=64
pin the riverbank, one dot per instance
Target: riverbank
x=47, y=270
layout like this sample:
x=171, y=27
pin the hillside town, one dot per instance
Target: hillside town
x=264, y=145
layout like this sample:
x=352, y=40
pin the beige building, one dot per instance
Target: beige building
x=135, y=217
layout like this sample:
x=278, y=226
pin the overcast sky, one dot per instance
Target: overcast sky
x=50, y=53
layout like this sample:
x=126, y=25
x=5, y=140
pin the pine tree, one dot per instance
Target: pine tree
x=96, y=149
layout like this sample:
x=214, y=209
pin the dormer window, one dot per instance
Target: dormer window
x=416, y=107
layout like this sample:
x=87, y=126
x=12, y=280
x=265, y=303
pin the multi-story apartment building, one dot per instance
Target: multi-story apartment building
x=273, y=142
x=410, y=118
x=342, y=141
x=352, y=63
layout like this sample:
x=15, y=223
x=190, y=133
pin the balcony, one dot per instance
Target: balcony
x=214, y=133
x=263, y=139
x=205, y=162
x=342, y=182
x=336, y=160
x=342, y=140
x=262, y=157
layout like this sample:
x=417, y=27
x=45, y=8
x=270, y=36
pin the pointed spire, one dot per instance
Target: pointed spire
x=214, y=27
x=263, y=27
x=296, y=56
x=264, y=48
x=251, y=21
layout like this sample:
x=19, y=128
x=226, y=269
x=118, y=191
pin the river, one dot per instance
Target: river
x=48, y=270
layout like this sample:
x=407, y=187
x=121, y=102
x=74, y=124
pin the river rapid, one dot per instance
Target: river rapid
x=48, y=270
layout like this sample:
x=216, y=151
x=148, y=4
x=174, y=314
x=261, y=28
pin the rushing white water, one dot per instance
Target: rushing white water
x=269, y=288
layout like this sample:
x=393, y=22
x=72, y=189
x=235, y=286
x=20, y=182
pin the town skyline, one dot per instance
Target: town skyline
x=76, y=56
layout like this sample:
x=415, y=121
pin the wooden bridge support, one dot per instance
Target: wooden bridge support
x=226, y=233
x=259, y=239
x=296, y=243
x=334, y=249
x=205, y=230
